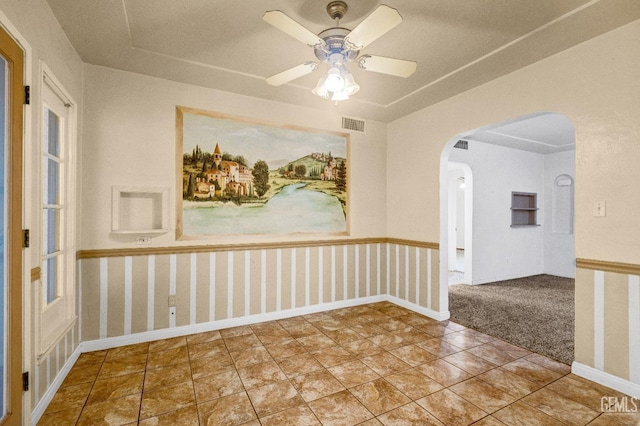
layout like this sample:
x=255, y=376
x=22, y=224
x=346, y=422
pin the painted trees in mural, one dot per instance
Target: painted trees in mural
x=248, y=178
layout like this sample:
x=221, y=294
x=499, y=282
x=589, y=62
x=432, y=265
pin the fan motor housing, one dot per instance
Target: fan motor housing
x=334, y=38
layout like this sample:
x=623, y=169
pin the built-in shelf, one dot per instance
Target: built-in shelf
x=524, y=209
x=137, y=210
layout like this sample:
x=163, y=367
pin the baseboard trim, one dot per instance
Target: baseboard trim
x=438, y=316
x=44, y=402
x=606, y=379
x=148, y=336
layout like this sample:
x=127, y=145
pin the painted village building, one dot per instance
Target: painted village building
x=225, y=175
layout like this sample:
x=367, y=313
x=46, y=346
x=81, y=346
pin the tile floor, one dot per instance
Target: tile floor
x=371, y=365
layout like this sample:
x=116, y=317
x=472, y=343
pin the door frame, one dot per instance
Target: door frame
x=15, y=56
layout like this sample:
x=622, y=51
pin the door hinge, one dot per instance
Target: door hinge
x=25, y=381
x=25, y=238
x=27, y=95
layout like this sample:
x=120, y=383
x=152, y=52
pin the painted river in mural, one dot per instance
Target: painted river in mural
x=292, y=210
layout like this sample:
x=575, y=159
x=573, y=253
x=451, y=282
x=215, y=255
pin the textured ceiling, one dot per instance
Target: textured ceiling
x=225, y=44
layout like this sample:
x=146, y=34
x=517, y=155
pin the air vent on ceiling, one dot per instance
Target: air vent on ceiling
x=353, y=124
x=462, y=144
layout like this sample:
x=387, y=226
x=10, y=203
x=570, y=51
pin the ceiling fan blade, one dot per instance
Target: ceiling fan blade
x=391, y=66
x=379, y=22
x=292, y=73
x=284, y=23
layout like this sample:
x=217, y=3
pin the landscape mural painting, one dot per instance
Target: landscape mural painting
x=243, y=177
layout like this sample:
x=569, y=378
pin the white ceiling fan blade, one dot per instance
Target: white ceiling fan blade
x=379, y=22
x=284, y=23
x=292, y=73
x=391, y=66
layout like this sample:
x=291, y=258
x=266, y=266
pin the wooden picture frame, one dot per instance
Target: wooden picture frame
x=238, y=176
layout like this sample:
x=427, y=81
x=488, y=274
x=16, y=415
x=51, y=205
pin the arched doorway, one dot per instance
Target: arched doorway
x=534, y=154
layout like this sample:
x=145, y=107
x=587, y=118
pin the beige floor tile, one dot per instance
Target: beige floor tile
x=63, y=417
x=275, y=339
x=560, y=408
x=413, y=383
x=385, y=363
x=69, y=396
x=509, y=382
x=274, y=397
x=316, y=385
x=296, y=416
x=531, y=371
x=169, y=398
x=166, y=344
x=173, y=356
x=583, y=391
x=243, y=330
x=462, y=340
x=211, y=365
x=388, y=341
x=409, y=414
x=303, y=329
x=450, y=408
x=469, y=362
x=123, y=366
x=299, y=364
x=89, y=358
x=229, y=410
x=491, y=354
x=241, y=342
x=113, y=412
x=187, y=416
x=127, y=351
x=482, y=394
x=509, y=349
x=342, y=335
x=413, y=355
x=379, y=396
x=166, y=376
x=353, y=373
x=439, y=347
x=617, y=419
x=315, y=342
x=442, y=372
x=250, y=356
x=549, y=363
x=116, y=387
x=207, y=336
x=520, y=413
x=207, y=349
x=217, y=385
x=362, y=348
x=257, y=375
x=340, y=409
x=488, y=421
x=332, y=355
x=287, y=349
x=82, y=374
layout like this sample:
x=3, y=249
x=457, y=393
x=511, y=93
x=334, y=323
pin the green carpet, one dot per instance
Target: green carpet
x=536, y=313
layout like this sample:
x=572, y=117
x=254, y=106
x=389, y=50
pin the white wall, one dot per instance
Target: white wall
x=500, y=251
x=130, y=140
x=559, y=248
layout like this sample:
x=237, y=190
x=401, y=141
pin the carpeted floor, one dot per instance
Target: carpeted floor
x=535, y=312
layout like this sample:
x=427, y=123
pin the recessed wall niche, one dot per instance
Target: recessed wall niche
x=562, y=207
x=138, y=210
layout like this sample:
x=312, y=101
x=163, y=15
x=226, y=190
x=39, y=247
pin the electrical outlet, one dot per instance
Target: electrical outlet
x=143, y=240
x=172, y=301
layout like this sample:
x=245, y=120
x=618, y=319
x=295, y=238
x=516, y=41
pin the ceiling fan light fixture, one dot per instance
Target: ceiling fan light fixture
x=340, y=96
x=334, y=81
x=321, y=89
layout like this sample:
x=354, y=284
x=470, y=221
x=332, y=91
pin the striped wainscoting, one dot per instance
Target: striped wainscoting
x=124, y=294
x=608, y=324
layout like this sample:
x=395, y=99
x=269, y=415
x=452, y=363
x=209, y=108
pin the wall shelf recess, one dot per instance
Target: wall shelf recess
x=524, y=209
x=137, y=210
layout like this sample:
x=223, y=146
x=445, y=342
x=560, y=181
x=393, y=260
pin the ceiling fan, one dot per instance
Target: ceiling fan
x=337, y=46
